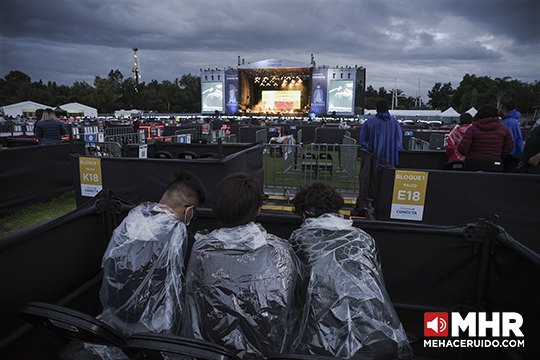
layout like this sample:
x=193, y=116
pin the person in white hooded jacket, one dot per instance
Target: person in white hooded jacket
x=347, y=313
x=241, y=280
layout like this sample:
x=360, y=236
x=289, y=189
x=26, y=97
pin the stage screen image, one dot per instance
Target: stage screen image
x=341, y=96
x=281, y=99
x=212, y=96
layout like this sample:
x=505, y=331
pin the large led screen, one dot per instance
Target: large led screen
x=212, y=96
x=341, y=96
x=281, y=99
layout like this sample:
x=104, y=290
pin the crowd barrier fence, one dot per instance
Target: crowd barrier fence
x=470, y=267
x=139, y=180
x=33, y=174
x=288, y=166
x=454, y=196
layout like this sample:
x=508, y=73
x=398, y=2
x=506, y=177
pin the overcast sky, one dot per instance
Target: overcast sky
x=398, y=42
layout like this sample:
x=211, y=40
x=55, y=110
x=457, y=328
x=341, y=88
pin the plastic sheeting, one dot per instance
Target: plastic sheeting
x=143, y=267
x=347, y=309
x=240, y=287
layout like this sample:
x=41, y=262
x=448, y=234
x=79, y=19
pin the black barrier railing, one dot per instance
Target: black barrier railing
x=57, y=261
x=427, y=269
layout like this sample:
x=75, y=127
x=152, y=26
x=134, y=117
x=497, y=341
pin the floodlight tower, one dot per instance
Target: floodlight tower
x=137, y=68
x=418, y=100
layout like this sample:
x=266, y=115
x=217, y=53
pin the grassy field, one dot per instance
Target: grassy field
x=38, y=213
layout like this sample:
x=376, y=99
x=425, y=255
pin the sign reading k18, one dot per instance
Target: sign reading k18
x=90, y=174
x=409, y=195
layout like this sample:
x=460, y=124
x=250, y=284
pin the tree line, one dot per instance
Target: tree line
x=472, y=91
x=107, y=94
x=184, y=95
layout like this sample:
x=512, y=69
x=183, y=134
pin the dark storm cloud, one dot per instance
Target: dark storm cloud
x=441, y=40
x=516, y=19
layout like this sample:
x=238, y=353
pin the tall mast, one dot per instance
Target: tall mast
x=137, y=67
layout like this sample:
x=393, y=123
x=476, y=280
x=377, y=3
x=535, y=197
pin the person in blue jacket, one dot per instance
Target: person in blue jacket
x=510, y=116
x=382, y=134
x=49, y=130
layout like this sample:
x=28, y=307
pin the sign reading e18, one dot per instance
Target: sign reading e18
x=409, y=195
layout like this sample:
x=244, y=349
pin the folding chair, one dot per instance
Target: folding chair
x=309, y=162
x=326, y=162
x=162, y=155
x=454, y=165
x=188, y=155
x=207, y=155
x=67, y=324
x=165, y=347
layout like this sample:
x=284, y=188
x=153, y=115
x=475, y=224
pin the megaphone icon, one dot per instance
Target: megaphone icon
x=437, y=325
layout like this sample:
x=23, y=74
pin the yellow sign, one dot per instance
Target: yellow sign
x=409, y=195
x=90, y=175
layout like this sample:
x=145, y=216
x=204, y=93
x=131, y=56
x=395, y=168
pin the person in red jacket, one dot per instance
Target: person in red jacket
x=455, y=137
x=486, y=142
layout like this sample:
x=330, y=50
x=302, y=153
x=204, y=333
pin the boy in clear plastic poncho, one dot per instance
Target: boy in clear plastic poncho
x=240, y=281
x=143, y=280
x=347, y=312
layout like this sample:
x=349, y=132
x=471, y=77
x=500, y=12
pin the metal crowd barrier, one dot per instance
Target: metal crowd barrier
x=78, y=132
x=225, y=139
x=125, y=139
x=418, y=144
x=104, y=149
x=12, y=129
x=289, y=166
x=119, y=130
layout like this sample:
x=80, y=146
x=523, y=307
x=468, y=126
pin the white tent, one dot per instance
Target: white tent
x=472, y=111
x=76, y=109
x=450, y=112
x=25, y=108
x=450, y=115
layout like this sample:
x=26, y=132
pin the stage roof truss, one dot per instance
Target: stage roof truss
x=276, y=72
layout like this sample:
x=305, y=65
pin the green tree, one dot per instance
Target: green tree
x=81, y=91
x=372, y=96
x=440, y=96
x=473, y=91
x=104, y=96
x=191, y=93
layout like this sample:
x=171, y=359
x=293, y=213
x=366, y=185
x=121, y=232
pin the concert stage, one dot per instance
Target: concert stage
x=283, y=87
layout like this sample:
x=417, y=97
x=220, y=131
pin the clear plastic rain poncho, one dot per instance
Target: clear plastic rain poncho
x=347, y=309
x=143, y=281
x=240, y=285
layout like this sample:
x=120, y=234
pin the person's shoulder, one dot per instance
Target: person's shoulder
x=271, y=238
x=278, y=243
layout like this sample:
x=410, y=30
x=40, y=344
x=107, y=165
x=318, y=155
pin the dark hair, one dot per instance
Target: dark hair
x=236, y=199
x=187, y=185
x=317, y=199
x=382, y=106
x=508, y=105
x=465, y=118
x=486, y=111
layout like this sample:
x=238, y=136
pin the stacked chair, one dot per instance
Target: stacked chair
x=70, y=325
